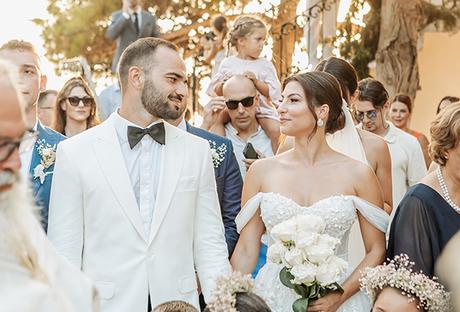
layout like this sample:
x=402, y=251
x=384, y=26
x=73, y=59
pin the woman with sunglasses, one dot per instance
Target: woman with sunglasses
x=75, y=109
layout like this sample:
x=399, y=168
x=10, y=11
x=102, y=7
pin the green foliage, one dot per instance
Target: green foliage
x=78, y=27
x=360, y=43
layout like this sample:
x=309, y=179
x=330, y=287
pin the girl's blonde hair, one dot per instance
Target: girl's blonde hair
x=242, y=27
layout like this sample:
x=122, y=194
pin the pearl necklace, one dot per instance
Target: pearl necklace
x=445, y=191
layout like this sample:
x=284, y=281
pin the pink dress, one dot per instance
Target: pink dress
x=264, y=71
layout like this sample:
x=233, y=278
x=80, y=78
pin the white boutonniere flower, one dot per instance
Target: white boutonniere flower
x=47, y=154
x=217, y=153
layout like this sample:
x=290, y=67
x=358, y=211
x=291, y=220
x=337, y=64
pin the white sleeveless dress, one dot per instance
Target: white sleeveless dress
x=339, y=213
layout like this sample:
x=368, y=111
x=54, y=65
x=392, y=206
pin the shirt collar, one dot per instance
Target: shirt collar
x=182, y=125
x=234, y=131
x=391, y=135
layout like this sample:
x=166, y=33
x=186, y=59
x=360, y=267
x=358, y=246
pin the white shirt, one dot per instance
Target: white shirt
x=143, y=165
x=26, y=159
x=407, y=162
x=131, y=16
x=258, y=139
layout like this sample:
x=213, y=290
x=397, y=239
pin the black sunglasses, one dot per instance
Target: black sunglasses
x=372, y=115
x=25, y=144
x=246, y=102
x=75, y=100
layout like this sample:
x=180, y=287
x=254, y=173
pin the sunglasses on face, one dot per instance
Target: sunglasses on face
x=246, y=102
x=25, y=144
x=371, y=115
x=75, y=100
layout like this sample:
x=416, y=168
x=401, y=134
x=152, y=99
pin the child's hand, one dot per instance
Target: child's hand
x=250, y=75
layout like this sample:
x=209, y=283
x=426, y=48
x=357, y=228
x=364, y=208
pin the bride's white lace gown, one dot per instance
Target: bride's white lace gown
x=339, y=213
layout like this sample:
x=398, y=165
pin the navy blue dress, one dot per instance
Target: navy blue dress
x=423, y=225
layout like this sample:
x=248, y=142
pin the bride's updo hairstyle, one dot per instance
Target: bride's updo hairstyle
x=344, y=72
x=322, y=88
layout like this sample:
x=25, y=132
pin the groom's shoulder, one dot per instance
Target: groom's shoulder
x=86, y=137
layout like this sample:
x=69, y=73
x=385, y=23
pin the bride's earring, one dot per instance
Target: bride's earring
x=320, y=123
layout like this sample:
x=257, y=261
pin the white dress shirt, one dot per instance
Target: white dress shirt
x=143, y=166
x=407, y=162
x=131, y=16
x=26, y=159
x=258, y=139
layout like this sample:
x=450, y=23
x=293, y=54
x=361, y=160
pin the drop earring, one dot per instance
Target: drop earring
x=320, y=123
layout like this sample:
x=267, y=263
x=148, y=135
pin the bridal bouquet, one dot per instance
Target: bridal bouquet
x=310, y=267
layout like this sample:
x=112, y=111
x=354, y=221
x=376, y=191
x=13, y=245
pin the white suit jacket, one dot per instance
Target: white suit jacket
x=95, y=222
x=64, y=289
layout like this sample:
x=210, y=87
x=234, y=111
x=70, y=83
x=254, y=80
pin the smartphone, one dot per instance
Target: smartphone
x=249, y=152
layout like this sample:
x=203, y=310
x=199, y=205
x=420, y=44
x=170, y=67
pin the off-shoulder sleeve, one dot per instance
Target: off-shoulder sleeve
x=413, y=232
x=373, y=214
x=248, y=211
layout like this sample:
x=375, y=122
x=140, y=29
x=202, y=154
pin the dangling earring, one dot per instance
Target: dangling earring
x=320, y=123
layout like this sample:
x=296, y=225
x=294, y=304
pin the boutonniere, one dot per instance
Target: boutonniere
x=47, y=154
x=217, y=153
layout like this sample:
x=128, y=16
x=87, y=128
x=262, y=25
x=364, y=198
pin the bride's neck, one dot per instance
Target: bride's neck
x=310, y=150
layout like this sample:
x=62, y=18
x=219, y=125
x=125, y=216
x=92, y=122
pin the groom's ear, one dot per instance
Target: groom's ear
x=136, y=77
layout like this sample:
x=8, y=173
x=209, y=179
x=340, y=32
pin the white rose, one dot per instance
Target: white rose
x=323, y=249
x=294, y=257
x=284, y=231
x=304, y=240
x=276, y=252
x=309, y=223
x=330, y=271
x=304, y=273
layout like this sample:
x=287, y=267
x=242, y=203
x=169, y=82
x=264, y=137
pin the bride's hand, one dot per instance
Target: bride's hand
x=329, y=303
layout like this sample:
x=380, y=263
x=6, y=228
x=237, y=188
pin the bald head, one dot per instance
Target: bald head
x=238, y=87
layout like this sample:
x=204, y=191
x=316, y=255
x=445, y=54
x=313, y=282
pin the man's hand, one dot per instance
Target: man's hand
x=212, y=111
x=125, y=7
x=249, y=162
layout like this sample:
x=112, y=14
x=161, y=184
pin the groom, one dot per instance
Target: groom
x=134, y=201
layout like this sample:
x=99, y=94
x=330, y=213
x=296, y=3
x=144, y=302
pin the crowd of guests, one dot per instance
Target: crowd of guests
x=417, y=180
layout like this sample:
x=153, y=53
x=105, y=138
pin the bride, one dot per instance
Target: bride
x=311, y=179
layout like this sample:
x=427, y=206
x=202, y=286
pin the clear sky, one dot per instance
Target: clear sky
x=16, y=23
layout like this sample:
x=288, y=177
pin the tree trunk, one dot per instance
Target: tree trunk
x=284, y=31
x=396, y=57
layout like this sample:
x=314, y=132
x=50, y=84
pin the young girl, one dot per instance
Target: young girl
x=248, y=37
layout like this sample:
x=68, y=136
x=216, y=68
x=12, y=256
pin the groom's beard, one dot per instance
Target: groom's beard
x=18, y=223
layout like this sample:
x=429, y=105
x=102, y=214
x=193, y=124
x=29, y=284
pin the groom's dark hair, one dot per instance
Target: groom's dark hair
x=140, y=53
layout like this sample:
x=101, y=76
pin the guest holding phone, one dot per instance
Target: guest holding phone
x=249, y=140
x=75, y=109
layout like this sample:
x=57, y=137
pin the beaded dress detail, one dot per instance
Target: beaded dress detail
x=339, y=213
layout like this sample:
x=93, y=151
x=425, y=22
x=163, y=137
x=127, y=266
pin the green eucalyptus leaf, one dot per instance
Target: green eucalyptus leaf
x=300, y=305
x=302, y=290
x=286, y=277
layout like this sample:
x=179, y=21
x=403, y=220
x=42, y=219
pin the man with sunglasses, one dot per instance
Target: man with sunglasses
x=33, y=277
x=35, y=164
x=407, y=162
x=240, y=99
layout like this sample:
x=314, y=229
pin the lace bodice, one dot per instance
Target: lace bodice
x=338, y=212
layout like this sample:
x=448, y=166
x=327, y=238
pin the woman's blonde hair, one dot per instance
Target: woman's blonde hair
x=242, y=27
x=445, y=133
x=59, y=118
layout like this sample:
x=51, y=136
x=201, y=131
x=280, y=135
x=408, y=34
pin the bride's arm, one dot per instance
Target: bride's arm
x=246, y=253
x=374, y=240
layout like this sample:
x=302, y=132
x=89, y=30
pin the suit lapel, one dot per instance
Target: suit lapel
x=109, y=155
x=171, y=168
